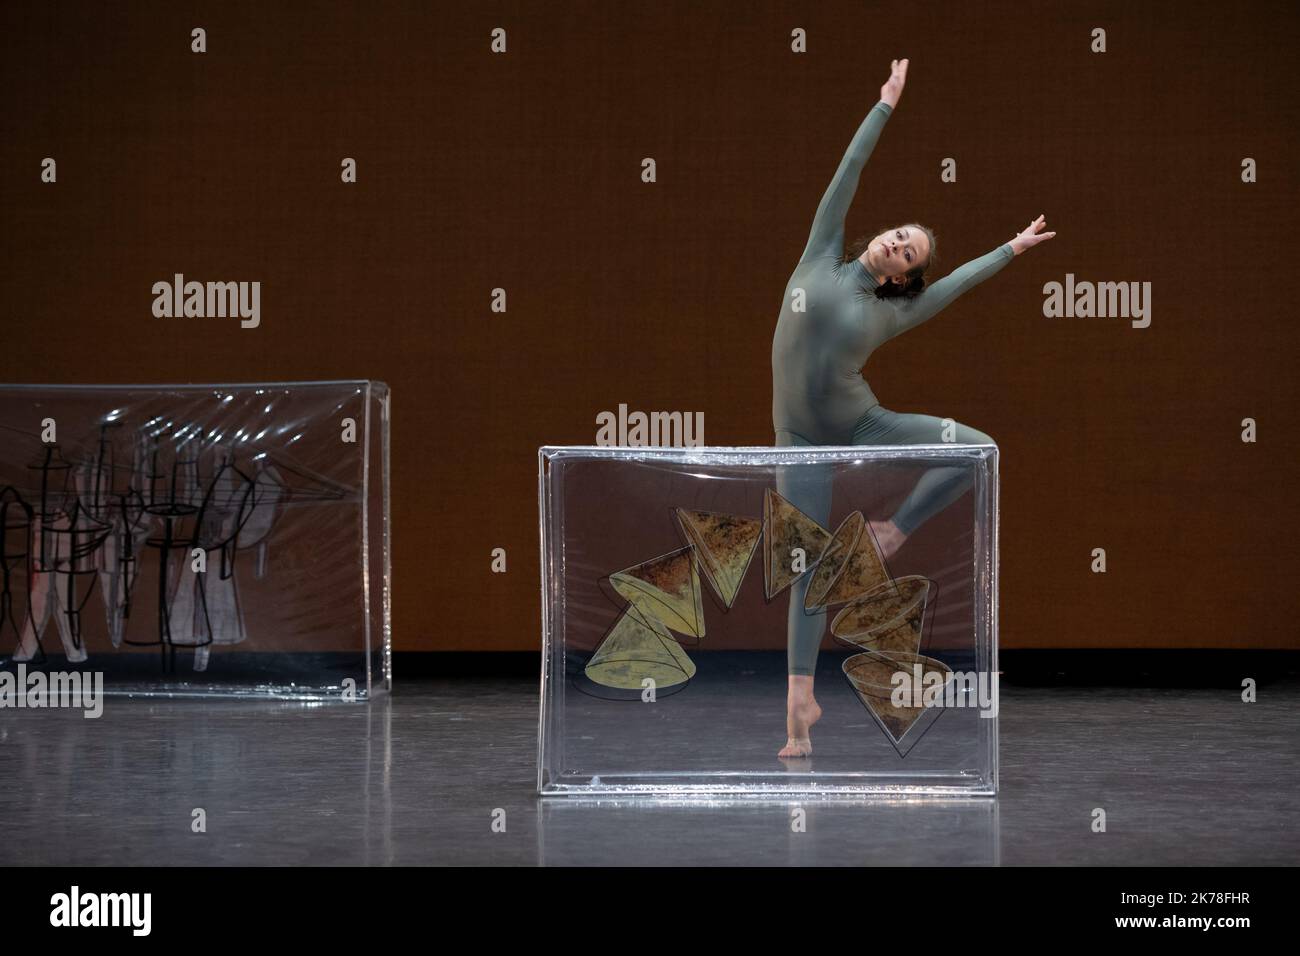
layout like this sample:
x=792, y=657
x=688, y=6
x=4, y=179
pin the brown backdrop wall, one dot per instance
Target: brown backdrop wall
x=522, y=171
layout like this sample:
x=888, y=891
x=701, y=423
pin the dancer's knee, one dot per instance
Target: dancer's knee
x=930, y=429
x=973, y=436
x=952, y=430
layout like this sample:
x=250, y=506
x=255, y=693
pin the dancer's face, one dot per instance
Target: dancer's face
x=898, y=250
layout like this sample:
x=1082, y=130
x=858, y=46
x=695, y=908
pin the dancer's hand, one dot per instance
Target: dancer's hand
x=1031, y=236
x=893, y=88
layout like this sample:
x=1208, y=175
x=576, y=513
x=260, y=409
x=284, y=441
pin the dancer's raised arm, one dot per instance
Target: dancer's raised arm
x=827, y=235
x=932, y=299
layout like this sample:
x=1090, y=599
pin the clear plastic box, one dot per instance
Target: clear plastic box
x=667, y=581
x=198, y=540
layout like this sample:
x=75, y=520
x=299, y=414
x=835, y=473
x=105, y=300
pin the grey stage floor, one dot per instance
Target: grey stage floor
x=1185, y=777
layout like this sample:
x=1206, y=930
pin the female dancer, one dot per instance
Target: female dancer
x=837, y=311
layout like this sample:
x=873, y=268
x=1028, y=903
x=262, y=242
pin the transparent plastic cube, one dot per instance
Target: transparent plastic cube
x=667, y=583
x=198, y=540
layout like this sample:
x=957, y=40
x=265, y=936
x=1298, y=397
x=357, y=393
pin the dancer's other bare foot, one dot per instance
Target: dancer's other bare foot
x=888, y=537
x=802, y=711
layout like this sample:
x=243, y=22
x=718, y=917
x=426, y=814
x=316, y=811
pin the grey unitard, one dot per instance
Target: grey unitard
x=830, y=323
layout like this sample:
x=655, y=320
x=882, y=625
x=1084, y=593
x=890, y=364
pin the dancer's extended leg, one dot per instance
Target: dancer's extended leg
x=938, y=487
x=808, y=488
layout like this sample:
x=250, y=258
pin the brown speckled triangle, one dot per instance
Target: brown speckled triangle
x=725, y=545
x=788, y=528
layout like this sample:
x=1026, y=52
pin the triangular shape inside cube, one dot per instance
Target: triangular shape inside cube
x=635, y=650
x=863, y=570
x=894, y=604
x=831, y=567
x=665, y=589
x=725, y=545
x=872, y=676
x=787, y=529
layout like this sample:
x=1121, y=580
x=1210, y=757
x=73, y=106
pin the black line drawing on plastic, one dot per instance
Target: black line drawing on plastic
x=150, y=500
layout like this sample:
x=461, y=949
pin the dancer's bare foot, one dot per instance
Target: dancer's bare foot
x=888, y=537
x=802, y=711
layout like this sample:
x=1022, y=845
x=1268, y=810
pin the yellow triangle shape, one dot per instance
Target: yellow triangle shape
x=665, y=589
x=635, y=650
x=788, y=528
x=725, y=545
